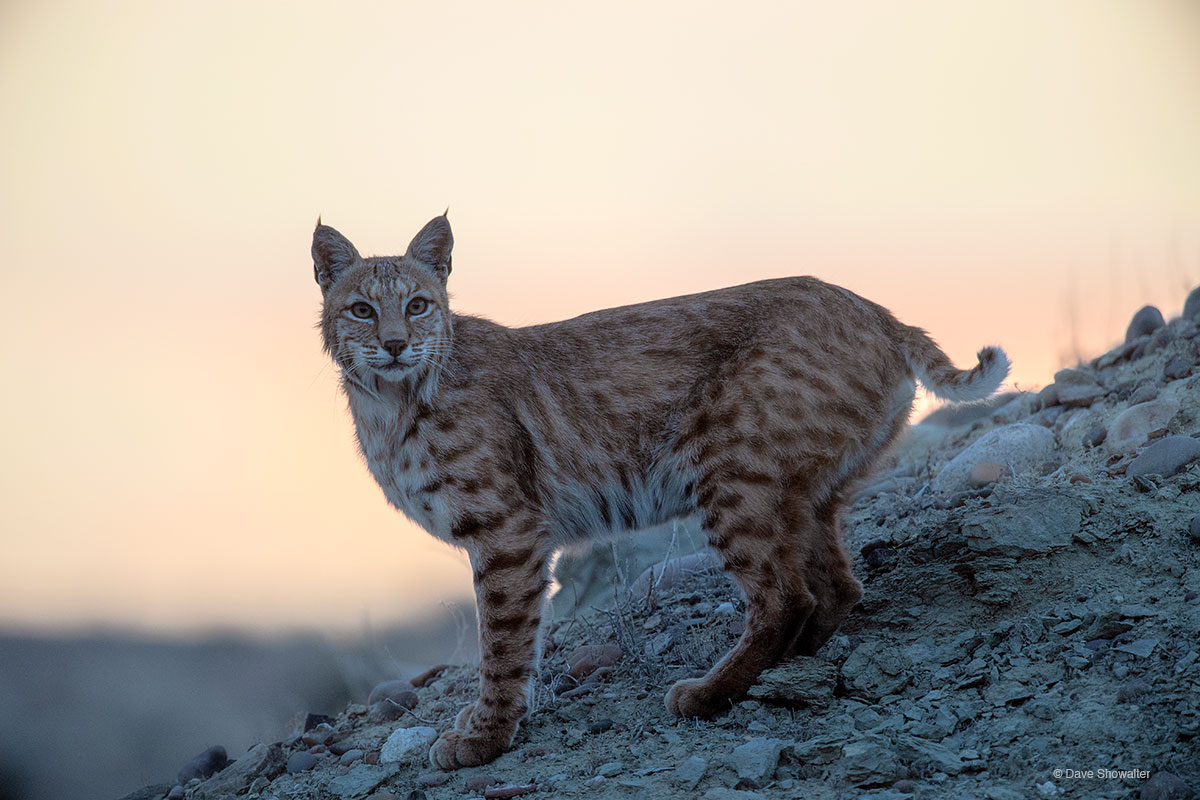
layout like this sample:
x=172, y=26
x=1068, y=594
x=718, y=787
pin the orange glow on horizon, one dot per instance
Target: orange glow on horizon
x=178, y=456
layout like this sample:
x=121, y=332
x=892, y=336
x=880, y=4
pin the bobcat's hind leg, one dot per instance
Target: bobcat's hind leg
x=827, y=565
x=831, y=581
x=510, y=575
x=763, y=555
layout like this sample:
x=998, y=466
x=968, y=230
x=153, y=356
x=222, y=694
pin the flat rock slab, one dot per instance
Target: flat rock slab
x=1107, y=626
x=821, y=749
x=876, y=668
x=361, y=780
x=1041, y=523
x=689, y=773
x=1142, y=648
x=800, y=682
x=932, y=755
x=757, y=759
x=871, y=761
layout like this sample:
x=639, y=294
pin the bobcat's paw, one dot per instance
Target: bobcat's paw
x=692, y=698
x=454, y=750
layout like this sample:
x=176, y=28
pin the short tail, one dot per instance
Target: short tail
x=938, y=375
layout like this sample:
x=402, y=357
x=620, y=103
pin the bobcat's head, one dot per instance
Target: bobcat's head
x=386, y=319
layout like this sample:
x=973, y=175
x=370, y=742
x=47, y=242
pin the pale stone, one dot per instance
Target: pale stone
x=1020, y=447
x=405, y=743
x=1131, y=427
x=985, y=473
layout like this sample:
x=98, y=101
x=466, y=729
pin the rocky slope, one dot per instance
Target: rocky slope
x=1028, y=630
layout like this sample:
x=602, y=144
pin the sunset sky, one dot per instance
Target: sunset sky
x=177, y=454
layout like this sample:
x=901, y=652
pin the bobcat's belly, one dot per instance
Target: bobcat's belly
x=582, y=511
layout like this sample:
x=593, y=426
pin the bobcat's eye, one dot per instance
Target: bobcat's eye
x=417, y=306
x=362, y=310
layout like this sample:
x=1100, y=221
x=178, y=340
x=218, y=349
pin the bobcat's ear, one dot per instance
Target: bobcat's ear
x=432, y=246
x=332, y=255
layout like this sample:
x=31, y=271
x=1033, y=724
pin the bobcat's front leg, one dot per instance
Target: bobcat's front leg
x=509, y=563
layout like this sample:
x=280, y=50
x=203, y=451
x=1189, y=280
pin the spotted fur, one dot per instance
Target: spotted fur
x=755, y=406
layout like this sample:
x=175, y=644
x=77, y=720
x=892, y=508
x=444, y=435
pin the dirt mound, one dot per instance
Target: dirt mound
x=1028, y=629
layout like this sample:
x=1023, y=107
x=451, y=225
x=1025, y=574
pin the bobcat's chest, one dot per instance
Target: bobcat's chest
x=398, y=457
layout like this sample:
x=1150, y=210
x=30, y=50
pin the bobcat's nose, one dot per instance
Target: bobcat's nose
x=395, y=346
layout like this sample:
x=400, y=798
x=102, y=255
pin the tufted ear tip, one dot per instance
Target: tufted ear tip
x=332, y=254
x=433, y=244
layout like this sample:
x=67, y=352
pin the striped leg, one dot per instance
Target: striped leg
x=832, y=582
x=764, y=557
x=510, y=582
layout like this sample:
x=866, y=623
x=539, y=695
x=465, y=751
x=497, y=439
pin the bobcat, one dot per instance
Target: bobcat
x=757, y=406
